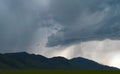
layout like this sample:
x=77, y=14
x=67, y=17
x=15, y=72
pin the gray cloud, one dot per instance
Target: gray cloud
x=19, y=20
x=84, y=20
x=79, y=20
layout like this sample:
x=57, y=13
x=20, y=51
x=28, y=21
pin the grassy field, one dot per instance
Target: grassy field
x=56, y=72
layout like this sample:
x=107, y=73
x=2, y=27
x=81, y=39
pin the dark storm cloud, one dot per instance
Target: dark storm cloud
x=19, y=20
x=85, y=20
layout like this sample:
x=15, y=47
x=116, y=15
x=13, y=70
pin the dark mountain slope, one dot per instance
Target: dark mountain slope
x=30, y=61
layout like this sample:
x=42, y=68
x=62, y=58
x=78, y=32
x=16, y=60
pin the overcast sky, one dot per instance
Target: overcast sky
x=69, y=28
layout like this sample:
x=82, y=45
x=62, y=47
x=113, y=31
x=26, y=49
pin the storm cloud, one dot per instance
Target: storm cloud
x=19, y=20
x=79, y=21
x=84, y=20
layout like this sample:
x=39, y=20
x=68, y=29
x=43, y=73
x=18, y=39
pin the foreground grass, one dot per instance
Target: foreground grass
x=56, y=72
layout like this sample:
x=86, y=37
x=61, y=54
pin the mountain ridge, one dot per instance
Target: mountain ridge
x=23, y=60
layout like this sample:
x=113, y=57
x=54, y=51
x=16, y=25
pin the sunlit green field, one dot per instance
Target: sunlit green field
x=56, y=72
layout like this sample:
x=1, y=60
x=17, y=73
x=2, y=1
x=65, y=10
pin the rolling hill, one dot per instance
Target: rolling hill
x=25, y=61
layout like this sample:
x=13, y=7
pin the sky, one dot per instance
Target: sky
x=79, y=28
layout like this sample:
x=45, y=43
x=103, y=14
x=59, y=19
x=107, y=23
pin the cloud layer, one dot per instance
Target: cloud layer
x=19, y=20
x=84, y=20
